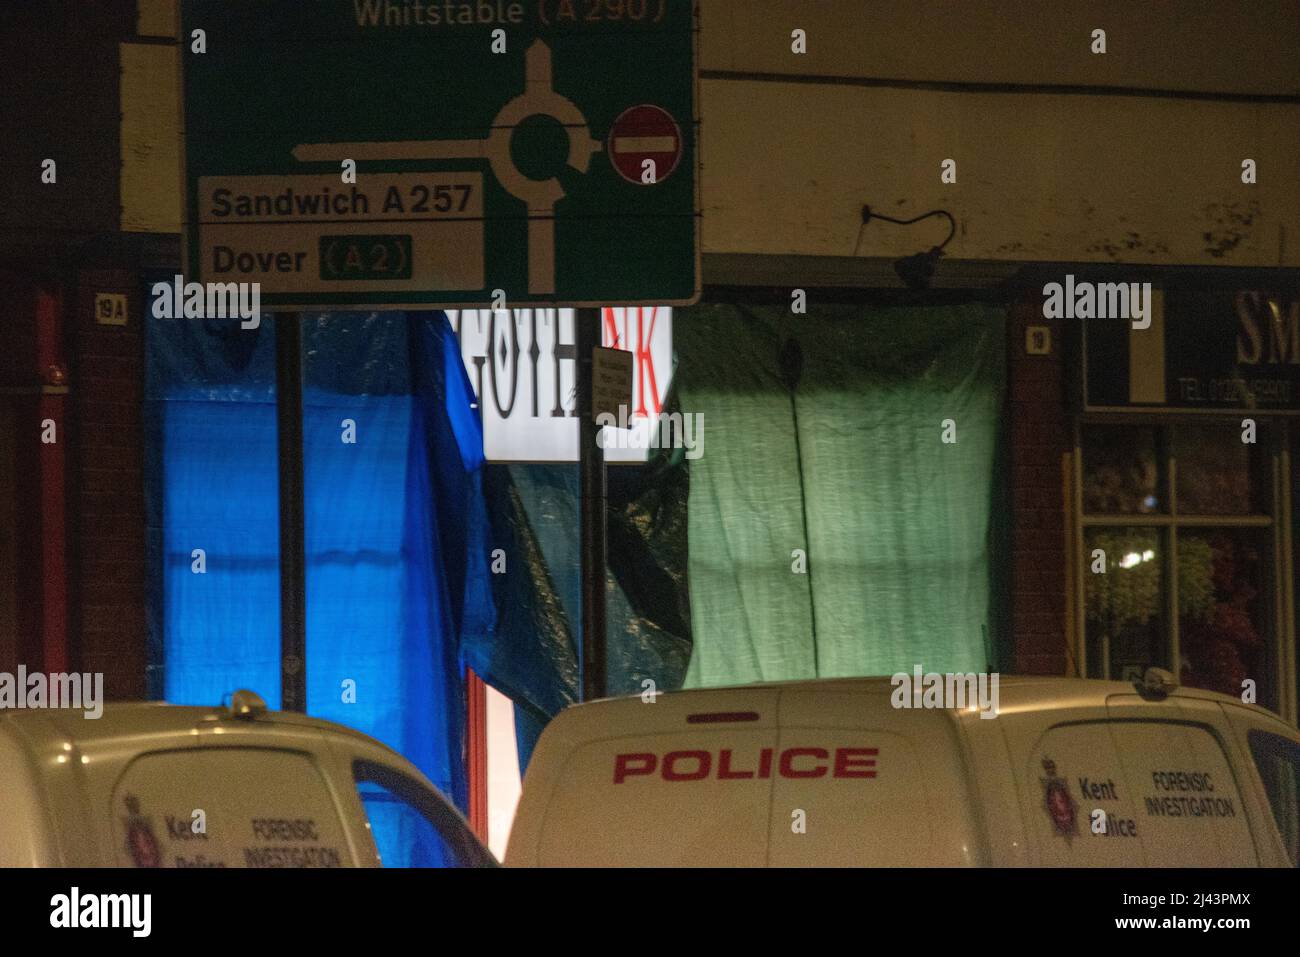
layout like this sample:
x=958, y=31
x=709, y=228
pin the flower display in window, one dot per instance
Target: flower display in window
x=1128, y=592
x=1219, y=637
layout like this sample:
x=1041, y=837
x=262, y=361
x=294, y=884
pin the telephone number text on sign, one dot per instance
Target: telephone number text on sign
x=291, y=232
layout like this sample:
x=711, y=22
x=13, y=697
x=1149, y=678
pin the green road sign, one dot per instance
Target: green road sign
x=543, y=148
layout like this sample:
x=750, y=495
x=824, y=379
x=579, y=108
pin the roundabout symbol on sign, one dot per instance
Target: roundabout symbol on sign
x=538, y=99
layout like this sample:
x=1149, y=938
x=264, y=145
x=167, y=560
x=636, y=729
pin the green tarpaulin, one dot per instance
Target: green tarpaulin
x=832, y=530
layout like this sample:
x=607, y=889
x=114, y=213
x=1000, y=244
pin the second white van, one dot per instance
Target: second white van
x=1069, y=773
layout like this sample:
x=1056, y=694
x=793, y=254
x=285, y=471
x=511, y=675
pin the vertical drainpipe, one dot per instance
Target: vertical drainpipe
x=51, y=368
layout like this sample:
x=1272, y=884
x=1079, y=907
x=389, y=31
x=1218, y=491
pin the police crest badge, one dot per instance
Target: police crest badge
x=140, y=841
x=1057, y=801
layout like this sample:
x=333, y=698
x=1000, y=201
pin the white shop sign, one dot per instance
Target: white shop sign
x=521, y=366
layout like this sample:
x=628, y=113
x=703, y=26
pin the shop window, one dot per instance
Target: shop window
x=1122, y=471
x=1125, y=606
x=1218, y=473
x=1179, y=540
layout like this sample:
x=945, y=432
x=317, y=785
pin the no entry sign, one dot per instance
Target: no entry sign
x=645, y=144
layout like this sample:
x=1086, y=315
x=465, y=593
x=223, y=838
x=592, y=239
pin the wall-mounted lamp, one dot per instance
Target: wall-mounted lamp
x=918, y=269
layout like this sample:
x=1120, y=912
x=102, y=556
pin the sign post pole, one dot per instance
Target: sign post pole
x=293, y=577
x=591, y=512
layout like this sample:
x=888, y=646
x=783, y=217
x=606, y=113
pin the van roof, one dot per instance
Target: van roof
x=1016, y=693
x=124, y=719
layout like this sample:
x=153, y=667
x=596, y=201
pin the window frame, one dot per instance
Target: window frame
x=1280, y=573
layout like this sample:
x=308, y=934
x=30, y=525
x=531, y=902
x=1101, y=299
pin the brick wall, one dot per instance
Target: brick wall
x=20, y=585
x=59, y=68
x=1040, y=436
x=106, y=487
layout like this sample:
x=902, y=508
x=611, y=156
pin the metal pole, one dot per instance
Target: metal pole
x=293, y=585
x=591, y=514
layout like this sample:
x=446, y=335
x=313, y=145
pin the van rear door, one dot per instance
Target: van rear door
x=863, y=784
x=682, y=781
x=778, y=775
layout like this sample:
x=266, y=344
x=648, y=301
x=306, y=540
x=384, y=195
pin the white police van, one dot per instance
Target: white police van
x=1069, y=773
x=158, y=785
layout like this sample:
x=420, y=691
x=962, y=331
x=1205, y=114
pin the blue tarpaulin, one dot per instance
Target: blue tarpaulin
x=396, y=549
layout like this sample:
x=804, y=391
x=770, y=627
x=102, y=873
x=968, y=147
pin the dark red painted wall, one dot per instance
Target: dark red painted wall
x=1040, y=435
